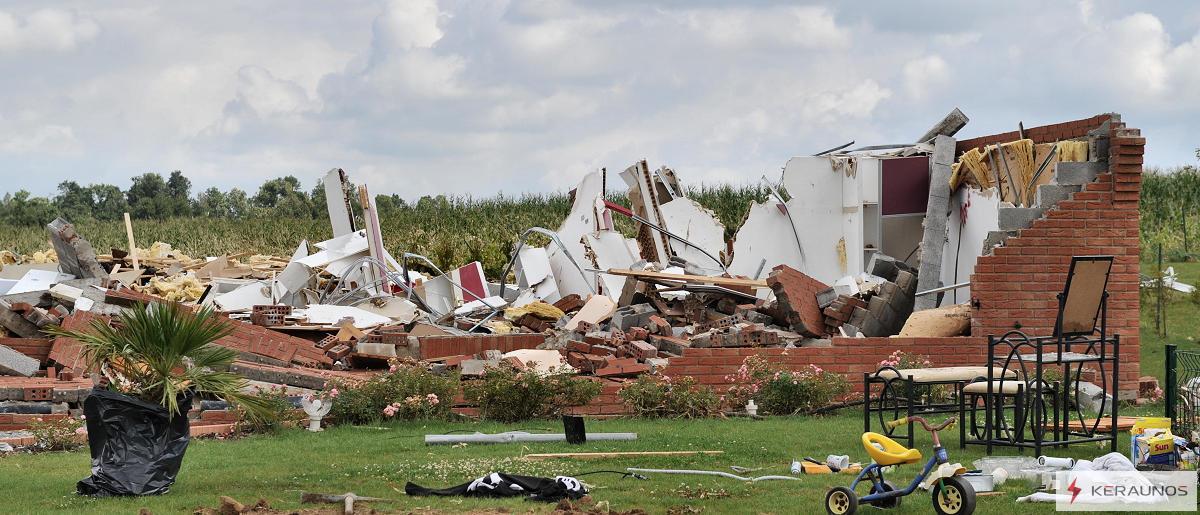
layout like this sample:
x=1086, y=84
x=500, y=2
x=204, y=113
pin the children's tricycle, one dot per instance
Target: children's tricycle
x=952, y=495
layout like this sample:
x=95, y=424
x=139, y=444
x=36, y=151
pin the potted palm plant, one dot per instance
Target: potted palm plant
x=152, y=365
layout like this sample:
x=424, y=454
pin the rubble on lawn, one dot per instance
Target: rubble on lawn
x=607, y=305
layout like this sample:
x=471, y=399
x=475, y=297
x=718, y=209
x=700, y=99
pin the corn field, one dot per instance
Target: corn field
x=450, y=231
x=1169, y=205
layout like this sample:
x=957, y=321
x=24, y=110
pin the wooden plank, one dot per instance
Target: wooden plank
x=203, y=262
x=659, y=276
x=1105, y=426
x=596, y=455
x=132, y=248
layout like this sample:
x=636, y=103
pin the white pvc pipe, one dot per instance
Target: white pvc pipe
x=518, y=436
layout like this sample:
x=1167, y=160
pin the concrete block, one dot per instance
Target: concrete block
x=936, y=217
x=858, y=317
x=472, y=367
x=632, y=316
x=1077, y=173
x=1016, y=218
x=75, y=255
x=995, y=238
x=877, y=303
x=816, y=342
x=16, y=323
x=826, y=297
x=850, y=330
x=872, y=328
x=1047, y=195
x=883, y=266
x=1092, y=397
x=377, y=349
x=13, y=363
x=906, y=281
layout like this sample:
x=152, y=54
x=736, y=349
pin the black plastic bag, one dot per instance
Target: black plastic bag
x=509, y=485
x=137, y=447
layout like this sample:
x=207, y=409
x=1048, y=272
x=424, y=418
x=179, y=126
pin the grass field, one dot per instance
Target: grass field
x=378, y=462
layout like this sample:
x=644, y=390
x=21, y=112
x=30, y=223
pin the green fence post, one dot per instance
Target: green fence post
x=1172, y=390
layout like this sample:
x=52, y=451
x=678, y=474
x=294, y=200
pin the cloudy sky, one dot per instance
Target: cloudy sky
x=421, y=97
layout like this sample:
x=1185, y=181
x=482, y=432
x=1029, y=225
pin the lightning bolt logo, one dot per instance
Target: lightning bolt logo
x=1074, y=490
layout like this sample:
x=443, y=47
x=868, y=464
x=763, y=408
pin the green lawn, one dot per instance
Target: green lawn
x=1182, y=322
x=378, y=462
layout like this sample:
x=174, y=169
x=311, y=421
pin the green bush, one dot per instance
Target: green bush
x=660, y=396
x=780, y=391
x=508, y=394
x=365, y=401
x=61, y=435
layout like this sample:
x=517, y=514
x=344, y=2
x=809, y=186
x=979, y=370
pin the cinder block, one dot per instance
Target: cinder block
x=883, y=265
x=1077, y=173
x=14, y=363
x=877, y=303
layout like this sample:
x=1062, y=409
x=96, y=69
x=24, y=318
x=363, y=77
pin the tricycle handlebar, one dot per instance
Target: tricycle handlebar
x=901, y=421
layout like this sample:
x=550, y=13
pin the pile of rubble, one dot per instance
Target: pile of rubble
x=601, y=303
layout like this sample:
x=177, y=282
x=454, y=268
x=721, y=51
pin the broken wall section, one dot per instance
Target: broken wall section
x=1020, y=281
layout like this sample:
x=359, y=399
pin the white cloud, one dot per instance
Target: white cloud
x=45, y=140
x=51, y=30
x=924, y=75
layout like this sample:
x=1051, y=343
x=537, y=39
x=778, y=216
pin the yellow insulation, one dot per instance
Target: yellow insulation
x=538, y=309
x=186, y=288
x=970, y=165
x=49, y=256
x=1073, y=151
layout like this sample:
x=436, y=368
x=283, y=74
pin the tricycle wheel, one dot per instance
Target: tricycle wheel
x=841, y=501
x=959, y=498
x=890, y=502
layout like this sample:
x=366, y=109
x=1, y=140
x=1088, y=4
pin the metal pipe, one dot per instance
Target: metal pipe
x=1011, y=185
x=883, y=147
x=943, y=288
x=788, y=212
x=680, y=238
x=834, y=149
x=521, y=243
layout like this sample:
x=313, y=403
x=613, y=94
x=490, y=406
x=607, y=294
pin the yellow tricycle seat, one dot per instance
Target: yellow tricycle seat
x=892, y=453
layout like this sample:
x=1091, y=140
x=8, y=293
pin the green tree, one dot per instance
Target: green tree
x=74, y=202
x=21, y=210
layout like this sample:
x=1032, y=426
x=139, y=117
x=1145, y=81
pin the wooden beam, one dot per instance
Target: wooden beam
x=595, y=455
x=132, y=248
x=659, y=276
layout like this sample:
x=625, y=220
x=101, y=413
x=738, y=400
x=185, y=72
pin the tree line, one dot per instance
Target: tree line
x=151, y=196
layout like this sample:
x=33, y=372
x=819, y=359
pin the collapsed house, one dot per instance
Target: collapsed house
x=925, y=247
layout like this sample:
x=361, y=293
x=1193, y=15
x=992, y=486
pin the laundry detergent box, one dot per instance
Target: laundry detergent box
x=1155, y=425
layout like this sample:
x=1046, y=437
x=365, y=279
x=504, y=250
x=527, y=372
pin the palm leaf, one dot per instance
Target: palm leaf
x=161, y=351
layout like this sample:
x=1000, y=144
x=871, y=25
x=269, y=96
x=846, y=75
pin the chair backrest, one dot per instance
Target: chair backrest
x=1083, y=296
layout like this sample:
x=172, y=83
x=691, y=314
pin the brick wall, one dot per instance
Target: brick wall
x=1043, y=134
x=442, y=346
x=1020, y=281
x=36, y=348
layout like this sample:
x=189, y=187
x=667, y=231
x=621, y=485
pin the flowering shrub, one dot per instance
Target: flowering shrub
x=61, y=435
x=508, y=394
x=660, y=396
x=414, y=407
x=780, y=391
x=903, y=360
x=406, y=382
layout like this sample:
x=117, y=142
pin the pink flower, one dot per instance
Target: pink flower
x=39, y=419
x=333, y=392
x=80, y=431
x=926, y=362
x=83, y=417
x=392, y=368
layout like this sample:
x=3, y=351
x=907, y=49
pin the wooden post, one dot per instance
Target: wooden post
x=132, y=248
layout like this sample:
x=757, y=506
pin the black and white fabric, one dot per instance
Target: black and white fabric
x=510, y=485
